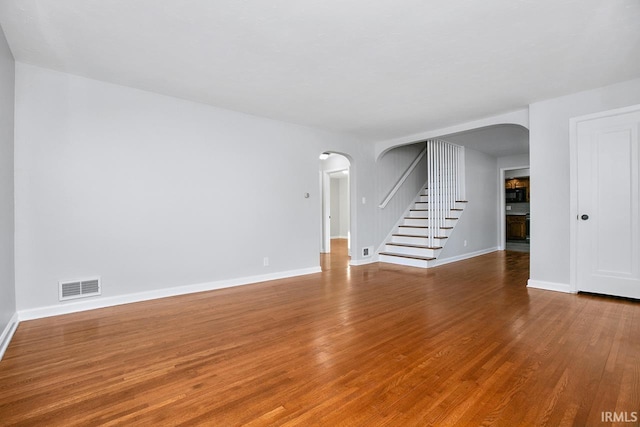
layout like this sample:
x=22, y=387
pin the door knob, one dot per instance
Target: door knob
x=584, y=217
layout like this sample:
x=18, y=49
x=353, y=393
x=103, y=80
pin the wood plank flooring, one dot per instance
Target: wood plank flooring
x=379, y=345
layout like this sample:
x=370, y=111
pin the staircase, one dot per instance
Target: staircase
x=413, y=243
x=422, y=234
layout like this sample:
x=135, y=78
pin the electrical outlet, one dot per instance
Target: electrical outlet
x=508, y=207
x=465, y=243
x=265, y=261
x=367, y=252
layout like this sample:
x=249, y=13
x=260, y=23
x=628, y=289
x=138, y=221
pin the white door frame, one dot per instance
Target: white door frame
x=573, y=190
x=326, y=206
x=326, y=212
x=502, y=217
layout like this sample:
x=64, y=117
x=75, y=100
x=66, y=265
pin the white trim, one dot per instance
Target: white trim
x=325, y=205
x=573, y=186
x=74, y=307
x=364, y=261
x=7, y=333
x=462, y=257
x=551, y=286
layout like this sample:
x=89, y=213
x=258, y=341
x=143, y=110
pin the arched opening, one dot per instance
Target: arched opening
x=335, y=184
x=509, y=145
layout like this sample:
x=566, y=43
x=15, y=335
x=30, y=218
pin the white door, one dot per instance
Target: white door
x=608, y=190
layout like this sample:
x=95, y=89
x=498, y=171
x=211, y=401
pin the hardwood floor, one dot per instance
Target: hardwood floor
x=462, y=344
x=338, y=258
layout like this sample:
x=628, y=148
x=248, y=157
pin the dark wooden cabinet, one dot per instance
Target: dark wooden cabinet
x=523, y=182
x=516, y=227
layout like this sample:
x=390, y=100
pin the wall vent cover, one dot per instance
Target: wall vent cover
x=82, y=288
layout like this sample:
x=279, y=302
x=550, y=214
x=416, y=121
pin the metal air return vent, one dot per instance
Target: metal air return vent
x=82, y=288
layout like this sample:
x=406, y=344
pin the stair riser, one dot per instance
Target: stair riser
x=420, y=222
x=429, y=253
x=423, y=231
x=413, y=231
x=424, y=201
x=404, y=261
x=423, y=241
x=443, y=192
x=416, y=221
x=450, y=214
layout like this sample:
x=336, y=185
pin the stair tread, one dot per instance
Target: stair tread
x=406, y=245
x=422, y=258
x=423, y=217
x=418, y=235
x=425, y=226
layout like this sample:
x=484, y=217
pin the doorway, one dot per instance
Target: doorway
x=515, y=202
x=336, y=207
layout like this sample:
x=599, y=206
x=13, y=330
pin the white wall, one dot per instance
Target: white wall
x=516, y=161
x=7, y=286
x=517, y=173
x=388, y=170
x=339, y=206
x=152, y=192
x=344, y=207
x=550, y=189
x=479, y=222
x=334, y=190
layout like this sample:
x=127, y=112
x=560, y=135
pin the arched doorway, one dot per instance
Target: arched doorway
x=335, y=245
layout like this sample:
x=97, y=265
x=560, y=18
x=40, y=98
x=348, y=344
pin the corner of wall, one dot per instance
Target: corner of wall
x=7, y=334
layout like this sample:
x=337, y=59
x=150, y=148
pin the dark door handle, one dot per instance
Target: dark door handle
x=584, y=217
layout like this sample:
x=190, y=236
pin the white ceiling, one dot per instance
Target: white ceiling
x=378, y=69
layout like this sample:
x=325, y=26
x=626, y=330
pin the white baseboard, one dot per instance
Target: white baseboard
x=7, y=333
x=364, y=261
x=74, y=307
x=550, y=286
x=462, y=257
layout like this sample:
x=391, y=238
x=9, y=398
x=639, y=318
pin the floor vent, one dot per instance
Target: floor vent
x=79, y=288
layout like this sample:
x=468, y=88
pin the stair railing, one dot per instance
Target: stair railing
x=445, y=184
